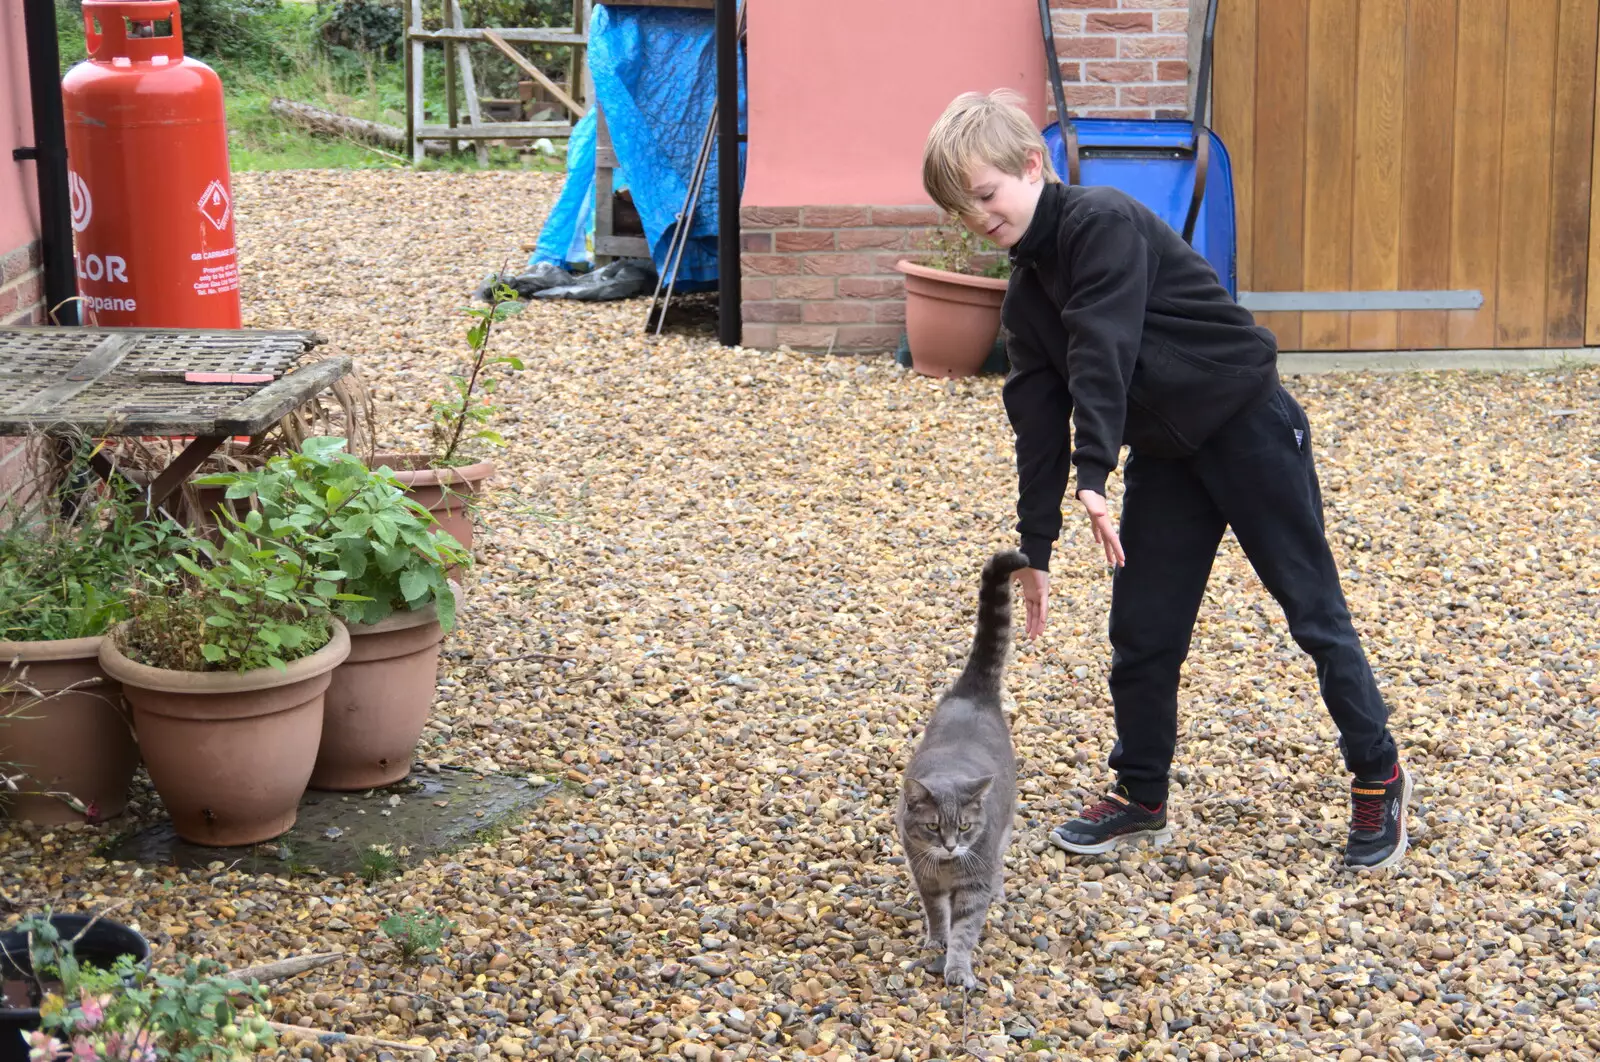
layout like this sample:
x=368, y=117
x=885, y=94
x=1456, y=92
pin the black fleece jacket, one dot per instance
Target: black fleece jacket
x=1118, y=328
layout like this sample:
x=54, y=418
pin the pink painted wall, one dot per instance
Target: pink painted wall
x=842, y=92
x=19, y=206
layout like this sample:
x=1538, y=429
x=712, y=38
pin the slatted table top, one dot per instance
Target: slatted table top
x=156, y=381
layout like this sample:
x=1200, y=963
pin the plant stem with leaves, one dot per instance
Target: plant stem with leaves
x=451, y=416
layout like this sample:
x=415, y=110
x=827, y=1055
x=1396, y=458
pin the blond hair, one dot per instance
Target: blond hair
x=978, y=128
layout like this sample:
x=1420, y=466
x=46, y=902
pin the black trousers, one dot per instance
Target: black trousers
x=1257, y=476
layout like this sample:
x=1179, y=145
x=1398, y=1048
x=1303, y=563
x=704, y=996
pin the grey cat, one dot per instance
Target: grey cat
x=960, y=792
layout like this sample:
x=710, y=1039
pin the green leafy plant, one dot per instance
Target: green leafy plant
x=467, y=406
x=378, y=862
x=390, y=554
x=369, y=26
x=130, y=1014
x=416, y=933
x=70, y=551
x=957, y=249
x=261, y=598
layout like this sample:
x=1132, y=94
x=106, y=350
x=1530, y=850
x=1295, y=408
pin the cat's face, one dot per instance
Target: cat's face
x=945, y=819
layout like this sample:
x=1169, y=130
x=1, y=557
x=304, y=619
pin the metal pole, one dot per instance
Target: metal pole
x=49, y=153
x=729, y=323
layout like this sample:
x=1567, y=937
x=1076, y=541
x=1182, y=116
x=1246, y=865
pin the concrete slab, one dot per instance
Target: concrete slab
x=1313, y=362
x=427, y=814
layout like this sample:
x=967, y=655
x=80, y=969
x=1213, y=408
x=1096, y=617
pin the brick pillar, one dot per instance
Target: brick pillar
x=823, y=277
x=1123, y=58
x=21, y=286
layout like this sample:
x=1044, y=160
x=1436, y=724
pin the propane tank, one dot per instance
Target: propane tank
x=147, y=156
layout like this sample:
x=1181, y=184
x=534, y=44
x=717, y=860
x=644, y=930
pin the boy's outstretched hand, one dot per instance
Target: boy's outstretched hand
x=1036, y=592
x=1105, y=528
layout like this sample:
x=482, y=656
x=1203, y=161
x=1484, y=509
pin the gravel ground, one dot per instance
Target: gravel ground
x=763, y=570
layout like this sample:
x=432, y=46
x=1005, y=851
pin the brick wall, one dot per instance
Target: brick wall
x=21, y=286
x=1123, y=58
x=823, y=278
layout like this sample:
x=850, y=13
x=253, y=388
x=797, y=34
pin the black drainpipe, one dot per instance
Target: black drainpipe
x=729, y=309
x=49, y=154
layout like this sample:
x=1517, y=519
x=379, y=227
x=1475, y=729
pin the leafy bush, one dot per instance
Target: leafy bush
x=230, y=29
x=370, y=27
x=68, y=558
x=260, y=599
x=388, y=549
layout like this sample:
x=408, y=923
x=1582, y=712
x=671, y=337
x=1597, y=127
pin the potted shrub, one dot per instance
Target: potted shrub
x=66, y=561
x=448, y=479
x=225, y=665
x=92, y=997
x=397, y=603
x=953, y=302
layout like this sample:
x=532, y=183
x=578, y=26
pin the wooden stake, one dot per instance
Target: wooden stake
x=277, y=971
x=328, y=1038
x=533, y=72
x=469, y=83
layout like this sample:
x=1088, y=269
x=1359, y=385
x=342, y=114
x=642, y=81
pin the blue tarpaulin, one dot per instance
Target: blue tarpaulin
x=655, y=75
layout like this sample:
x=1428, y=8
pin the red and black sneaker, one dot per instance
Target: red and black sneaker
x=1115, y=821
x=1378, y=821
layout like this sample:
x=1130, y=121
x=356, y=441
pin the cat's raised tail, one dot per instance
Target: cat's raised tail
x=992, y=638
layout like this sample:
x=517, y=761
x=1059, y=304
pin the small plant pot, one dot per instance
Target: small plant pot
x=378, y=702
x=229, y=753
x=102, y=945
x=444, y=492
x=952, y=319
x=77, y=741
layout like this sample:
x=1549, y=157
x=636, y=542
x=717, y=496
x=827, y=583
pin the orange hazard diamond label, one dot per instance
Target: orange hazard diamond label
x=215, y=205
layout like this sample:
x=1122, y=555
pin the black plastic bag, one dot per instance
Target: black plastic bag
x=621, y=279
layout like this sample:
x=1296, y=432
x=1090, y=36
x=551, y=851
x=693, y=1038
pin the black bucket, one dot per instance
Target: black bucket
x=101, y=946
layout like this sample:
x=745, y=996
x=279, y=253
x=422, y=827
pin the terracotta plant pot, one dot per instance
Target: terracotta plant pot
x=378, y=702
x=77, y=742
x=951, y=319
x=229, y=753
x=444, y=492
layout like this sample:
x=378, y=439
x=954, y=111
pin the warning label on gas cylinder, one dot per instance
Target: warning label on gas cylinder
x=214, y=280
x=215, y=205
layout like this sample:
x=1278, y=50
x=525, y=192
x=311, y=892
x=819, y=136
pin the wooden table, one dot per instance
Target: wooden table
x=200, y=384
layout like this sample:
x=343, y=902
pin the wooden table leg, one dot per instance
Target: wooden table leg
x=183, y=466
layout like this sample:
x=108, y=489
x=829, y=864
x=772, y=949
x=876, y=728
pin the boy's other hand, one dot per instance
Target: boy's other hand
x=1036, y=592
x=1105, y=528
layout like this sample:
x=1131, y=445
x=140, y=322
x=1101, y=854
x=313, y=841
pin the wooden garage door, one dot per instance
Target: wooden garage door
x=1416, y=146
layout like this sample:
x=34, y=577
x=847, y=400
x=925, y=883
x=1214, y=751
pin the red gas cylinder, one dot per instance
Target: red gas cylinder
x=147, y=151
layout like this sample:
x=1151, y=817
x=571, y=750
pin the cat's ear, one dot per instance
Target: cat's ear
x=977, y=790
x=918, y=795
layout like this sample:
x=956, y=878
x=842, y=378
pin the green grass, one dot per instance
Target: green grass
x=289, y=63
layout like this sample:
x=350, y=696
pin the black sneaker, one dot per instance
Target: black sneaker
x=1378, y=821
x=1115, y=821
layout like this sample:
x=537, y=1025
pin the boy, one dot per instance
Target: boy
x=1120, y=330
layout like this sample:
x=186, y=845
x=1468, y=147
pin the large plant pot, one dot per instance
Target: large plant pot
x=378, y=702
x=952, y=319
x=230, y=754
x=102, y=944
x=77, y=742
x=444, y=492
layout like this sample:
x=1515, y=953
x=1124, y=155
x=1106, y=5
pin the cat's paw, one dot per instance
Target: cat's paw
x=932, y=943
x=960, y=977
